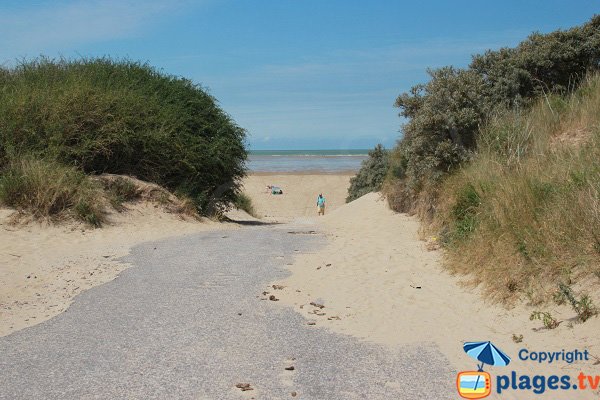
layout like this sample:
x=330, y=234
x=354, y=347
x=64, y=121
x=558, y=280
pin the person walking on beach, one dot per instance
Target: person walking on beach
x=321, y=204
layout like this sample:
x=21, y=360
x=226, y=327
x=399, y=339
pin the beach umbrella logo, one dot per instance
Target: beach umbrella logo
x=478, y=384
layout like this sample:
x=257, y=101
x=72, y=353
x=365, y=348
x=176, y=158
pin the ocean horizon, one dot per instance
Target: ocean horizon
x=305, y=161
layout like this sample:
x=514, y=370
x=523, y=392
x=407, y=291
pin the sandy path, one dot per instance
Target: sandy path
x=43, y=267
x=370, y=290
x=189, y=321
x=377, y=281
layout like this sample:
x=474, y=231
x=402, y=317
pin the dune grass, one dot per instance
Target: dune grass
x=49, y=190
x=120, y=190
x=524, y=215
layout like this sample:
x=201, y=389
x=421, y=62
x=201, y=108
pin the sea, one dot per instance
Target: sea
x=306, y=161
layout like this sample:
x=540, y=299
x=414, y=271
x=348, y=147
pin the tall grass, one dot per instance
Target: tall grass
x=524, y=215
x=48, y=190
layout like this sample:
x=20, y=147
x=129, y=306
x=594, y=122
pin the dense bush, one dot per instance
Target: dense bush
x=524, y=214
x=501, y=160
x=444, y=115
x=371, y=175
x=123, y=117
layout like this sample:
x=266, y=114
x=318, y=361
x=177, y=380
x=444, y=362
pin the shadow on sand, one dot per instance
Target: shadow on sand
x=249, y=222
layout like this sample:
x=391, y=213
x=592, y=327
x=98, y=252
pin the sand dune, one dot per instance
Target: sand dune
x=377, y=281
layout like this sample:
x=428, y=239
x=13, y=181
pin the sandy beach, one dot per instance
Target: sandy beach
x=374, y=278
x=300, y=192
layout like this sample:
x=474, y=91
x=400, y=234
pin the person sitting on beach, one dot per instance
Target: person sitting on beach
x=321, y=204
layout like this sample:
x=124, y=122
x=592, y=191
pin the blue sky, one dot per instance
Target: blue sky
x=296, y=74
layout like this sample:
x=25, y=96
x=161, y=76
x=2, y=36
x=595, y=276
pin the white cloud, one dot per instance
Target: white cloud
x=59, y=25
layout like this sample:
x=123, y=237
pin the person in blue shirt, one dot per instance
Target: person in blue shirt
x=321, y=204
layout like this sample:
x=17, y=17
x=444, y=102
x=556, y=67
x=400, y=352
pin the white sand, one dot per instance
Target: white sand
x=368, y=276
x=299, y=198
x=42, y=267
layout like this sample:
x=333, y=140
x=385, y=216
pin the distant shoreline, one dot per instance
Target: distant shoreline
x=321, y=153
x=302, y=173
x=306, y=161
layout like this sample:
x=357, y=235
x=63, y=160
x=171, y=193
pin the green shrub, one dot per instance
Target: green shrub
x=127, y=118
x=47, y=189
x=547, y=319
x=532, y=216
x=445, y=115
x=244, y=202
x=371, y=175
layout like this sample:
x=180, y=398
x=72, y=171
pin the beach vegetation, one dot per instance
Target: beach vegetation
x=371, y=175
x=103, y=115
x=584, y=306
x=121, y=190
x=445, y=115
x=547, y=319
x=244, y=202
x=531, y=215
x=47, y=189
x=500, y=160
x=517, y=338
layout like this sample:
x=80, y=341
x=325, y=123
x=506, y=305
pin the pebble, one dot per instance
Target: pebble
x=244, y=386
